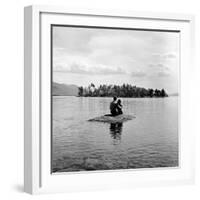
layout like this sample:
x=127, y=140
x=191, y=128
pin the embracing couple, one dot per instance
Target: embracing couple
x=116, y=107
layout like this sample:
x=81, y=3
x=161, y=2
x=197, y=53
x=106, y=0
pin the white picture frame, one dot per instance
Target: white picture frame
x=37, y=138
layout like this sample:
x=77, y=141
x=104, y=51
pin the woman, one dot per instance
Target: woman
x=119, y=107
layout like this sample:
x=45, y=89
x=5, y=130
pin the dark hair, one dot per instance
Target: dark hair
x=114, y=98
x=119, y=101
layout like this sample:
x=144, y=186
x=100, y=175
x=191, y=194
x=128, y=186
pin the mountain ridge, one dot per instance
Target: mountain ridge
x=61, y=89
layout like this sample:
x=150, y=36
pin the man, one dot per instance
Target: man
x=113, y=106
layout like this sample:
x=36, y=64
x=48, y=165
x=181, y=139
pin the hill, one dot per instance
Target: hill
x=64, y=90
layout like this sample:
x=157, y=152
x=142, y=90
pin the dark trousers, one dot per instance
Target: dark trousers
x=113, y=112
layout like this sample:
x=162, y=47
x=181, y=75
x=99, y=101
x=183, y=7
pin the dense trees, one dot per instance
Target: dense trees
x=125, y=90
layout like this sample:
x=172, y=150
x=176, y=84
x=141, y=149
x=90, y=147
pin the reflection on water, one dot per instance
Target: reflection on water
x=116, y=130
x=149, y=140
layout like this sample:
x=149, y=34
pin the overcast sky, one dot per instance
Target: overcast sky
x=147, y=59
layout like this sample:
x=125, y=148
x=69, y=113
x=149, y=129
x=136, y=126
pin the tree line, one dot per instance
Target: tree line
x=125, y=90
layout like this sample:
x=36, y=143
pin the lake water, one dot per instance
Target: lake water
x=149, y=140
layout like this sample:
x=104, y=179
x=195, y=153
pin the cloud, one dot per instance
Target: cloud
x=159, y=70
x=138, y=74
x=165, y=56
x=73, y=40
x=163, y=74
x=159, y=66
x=84, y=55
x=76, y=68
x=170, y=56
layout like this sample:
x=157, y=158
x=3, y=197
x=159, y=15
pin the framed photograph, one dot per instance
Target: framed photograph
x=107, y=101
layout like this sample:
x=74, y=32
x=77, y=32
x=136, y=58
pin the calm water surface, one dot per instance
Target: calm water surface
x=149, y=140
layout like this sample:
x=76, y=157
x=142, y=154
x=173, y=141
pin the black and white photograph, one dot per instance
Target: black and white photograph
x=114, y=98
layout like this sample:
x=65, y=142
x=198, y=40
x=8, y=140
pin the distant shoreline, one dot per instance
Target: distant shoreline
x=124, y=90
x=117, y=97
